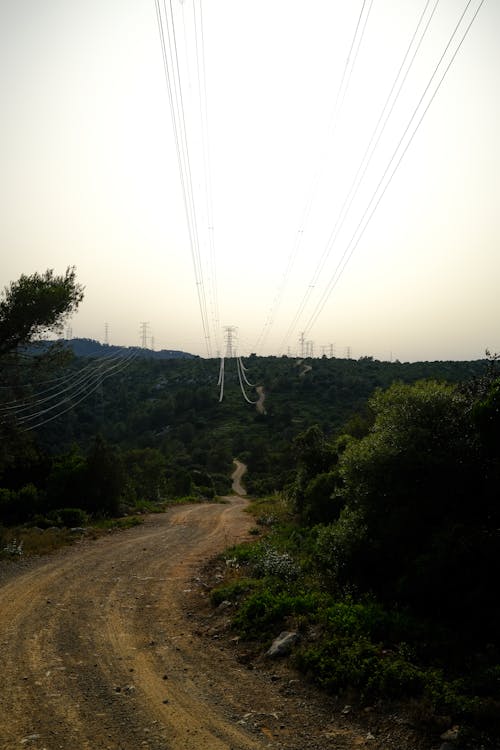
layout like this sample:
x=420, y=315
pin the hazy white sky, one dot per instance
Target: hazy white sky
x=89, y=174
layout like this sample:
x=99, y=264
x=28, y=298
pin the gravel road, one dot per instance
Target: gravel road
x=98, y=649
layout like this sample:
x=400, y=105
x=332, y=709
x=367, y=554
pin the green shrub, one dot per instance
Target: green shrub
x=264, y=611
x=232, y=591
x=70, y=517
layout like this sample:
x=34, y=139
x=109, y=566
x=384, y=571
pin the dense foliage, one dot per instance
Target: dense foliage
x=382, y=552
x=36, y=304
x=170, y=436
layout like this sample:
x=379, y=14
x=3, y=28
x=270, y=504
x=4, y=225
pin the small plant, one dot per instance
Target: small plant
x=14, y=548
x=232, y=591
x=271, y=562
x=111, y=524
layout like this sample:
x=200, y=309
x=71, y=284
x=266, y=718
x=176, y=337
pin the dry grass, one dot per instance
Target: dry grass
x=28, y=542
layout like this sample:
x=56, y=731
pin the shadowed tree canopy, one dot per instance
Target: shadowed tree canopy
x=35, y=305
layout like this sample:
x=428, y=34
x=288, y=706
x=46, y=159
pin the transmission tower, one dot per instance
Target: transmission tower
x=69, y=332
x=302, y=345
x=229, y=340
x=144, y=333
x=106, y=334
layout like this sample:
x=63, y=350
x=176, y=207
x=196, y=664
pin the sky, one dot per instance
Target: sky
x=301, y=227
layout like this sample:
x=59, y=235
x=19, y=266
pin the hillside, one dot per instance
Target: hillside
x=173, y=405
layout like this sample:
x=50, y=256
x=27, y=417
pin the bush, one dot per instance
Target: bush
x=232, y=591
x=270, y=562
x=264, y=612
x=72, y=517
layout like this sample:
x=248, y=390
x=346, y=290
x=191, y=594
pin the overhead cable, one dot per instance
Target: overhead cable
x=375, y=199
x=343, y=87
x=371, y=147
x=170, y=56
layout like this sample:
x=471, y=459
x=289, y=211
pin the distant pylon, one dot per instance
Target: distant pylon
x=229, y=339
x=302, y=345
x=69, y=332
x=144, y=332
x=106, y=334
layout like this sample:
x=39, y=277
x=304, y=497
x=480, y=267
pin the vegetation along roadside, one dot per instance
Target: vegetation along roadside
x=380, y=556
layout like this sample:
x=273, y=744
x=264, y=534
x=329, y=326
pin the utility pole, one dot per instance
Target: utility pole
x=332, y=350
x=106, y=334
x=229, y=339
x=348, y=352
x=144, y=333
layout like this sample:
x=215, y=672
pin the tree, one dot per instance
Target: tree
x=145, y=468
x=35, y=305
x=419, y=525
x=105, y=479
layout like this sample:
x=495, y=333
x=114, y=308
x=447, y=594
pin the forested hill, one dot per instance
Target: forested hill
x=173, y=406
x=92, y=348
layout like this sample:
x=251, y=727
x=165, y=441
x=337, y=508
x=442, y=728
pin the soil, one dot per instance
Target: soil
x=112, y=644
x=237, y=476
x=260, y=402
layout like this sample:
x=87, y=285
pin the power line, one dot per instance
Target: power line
x=87, y=388
x=220, y=382
x=244, y=370
x=334, y=119
x=373, y=142
x=242, y=387
x=58, y=382
x=375, y=201
x=174, y=88
x=205, y=139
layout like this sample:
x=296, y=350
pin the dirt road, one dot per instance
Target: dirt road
x=99, y=649
x=262, y=397
x=96, y=650
x=237, y=476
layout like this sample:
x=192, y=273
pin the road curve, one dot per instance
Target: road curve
x=96, y=650
x=237, y=476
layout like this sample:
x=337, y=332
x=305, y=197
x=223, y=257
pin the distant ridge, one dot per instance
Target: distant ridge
x=92, y=348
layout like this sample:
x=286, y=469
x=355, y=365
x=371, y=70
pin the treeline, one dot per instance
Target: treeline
x=166, y=417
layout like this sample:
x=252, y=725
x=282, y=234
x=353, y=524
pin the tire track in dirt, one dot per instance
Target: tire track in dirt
x=100, y=651
x=96, y=650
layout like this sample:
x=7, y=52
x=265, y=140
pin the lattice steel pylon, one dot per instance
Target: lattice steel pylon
x=230, y=333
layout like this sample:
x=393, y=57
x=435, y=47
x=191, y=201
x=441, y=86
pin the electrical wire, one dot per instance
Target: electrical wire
x=207, y=169
x=375, y=201
x=73, y=379
x=174, y=88
x=220, y=382
x=242, y=387
x=64, y=395
x=371, y=147
x=334, y=119
x=243, y=371
x=126, y=363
